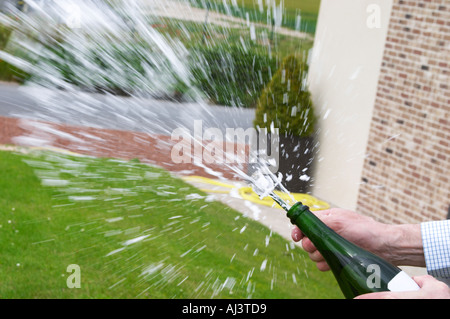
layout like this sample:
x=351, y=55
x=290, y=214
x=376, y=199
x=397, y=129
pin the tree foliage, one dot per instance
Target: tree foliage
x=286, y=102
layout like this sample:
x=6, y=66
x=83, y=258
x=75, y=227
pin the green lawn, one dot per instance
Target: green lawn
x=135, y=232
x=308, y=9
x=219, y=36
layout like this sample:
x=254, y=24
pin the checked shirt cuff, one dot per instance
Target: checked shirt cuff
x=436, y=247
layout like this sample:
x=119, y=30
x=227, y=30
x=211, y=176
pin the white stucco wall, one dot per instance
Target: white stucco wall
x=343, y=76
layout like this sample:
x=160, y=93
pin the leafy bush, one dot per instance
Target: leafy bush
x=232, y=75
x=286, y=102
x=102, y=67
x=5, y=32
x=227, y=75
x=8, y=72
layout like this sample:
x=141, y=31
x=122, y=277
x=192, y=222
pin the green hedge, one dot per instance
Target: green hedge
x=5, y=32
x=9, y=72
x=227, y=75
x=287, y=102
x=231, y=75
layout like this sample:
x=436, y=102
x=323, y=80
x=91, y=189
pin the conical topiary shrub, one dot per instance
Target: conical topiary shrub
x=286, y=104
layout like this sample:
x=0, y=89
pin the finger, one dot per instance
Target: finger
x=322, y=266
x=296, y=234
x=308, y=246
x=324, y=215
x=393, y=295
x=316, y=256
x=378, y=295
x=421, y=280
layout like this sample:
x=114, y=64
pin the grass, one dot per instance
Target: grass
x=136, y=232
x=308, y=9
x=218, y=36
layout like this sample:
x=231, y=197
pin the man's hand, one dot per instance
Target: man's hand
x=398, y=244
x=430, y=288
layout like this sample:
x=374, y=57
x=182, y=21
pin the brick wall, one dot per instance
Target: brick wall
x=406, y=172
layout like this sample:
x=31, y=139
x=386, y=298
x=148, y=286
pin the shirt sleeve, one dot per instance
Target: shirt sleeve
x=436, y=247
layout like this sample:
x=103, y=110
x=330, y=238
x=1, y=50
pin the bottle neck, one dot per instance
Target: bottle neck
x=311, y=226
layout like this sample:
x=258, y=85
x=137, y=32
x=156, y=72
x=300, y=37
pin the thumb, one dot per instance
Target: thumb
x=377, y=295
x=416, y=294
x=391, y=295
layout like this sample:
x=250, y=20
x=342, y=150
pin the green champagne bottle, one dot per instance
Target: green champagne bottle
x=356, y=270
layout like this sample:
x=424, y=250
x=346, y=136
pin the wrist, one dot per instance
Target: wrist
x=403, y=245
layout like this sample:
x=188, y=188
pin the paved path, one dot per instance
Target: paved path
x=112, y=126
x=114, y=112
